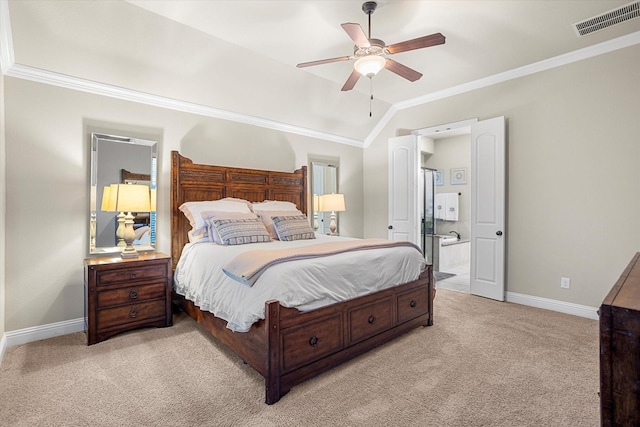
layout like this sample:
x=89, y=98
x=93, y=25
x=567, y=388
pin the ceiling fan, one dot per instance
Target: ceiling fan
x=369, y=53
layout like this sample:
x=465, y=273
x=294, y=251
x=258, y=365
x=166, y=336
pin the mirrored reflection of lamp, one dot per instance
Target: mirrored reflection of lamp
x=370, y=65
x=131, y=198
x=316, y=209
x=332, y=203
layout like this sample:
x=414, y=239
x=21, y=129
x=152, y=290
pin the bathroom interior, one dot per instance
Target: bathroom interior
x=445, y=205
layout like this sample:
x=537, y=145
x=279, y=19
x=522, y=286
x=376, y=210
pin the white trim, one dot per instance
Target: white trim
x=444, y=128
x=37, y=333
x=536, y=67
x=74, y=83
x=69, y=82
x=6, y=41
x=554, y=305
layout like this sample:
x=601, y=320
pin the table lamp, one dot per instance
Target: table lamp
x=332, y=203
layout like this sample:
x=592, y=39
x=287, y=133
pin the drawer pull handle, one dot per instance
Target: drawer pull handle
x=132, y=275
x=313, y=341
x=133, y=313
x=413, y=303
x=372, y=319
x=133, y=294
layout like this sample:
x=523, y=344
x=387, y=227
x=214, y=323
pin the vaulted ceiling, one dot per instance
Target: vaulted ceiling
x=237, y=59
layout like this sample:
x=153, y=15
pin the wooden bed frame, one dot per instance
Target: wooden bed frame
x=289, y=346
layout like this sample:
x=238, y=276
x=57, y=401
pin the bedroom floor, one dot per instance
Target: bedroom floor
x=459, y=282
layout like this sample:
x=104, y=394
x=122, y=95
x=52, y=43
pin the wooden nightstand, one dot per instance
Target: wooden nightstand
x=124, y=294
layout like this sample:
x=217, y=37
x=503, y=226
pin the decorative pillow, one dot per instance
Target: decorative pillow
x=210, y=216
x=240, y=231
x=193, y=212
x=267, y=219
x=274, y=205
x=294, y=227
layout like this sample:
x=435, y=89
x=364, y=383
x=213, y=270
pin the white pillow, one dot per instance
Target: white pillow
x=274, y=205
x=210, y=216
x=267, y=220
x=193, y=212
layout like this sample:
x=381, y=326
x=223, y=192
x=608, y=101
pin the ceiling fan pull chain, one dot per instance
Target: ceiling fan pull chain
x=371, y=92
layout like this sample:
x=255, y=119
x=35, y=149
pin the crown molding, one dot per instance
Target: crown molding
x=6, y=40
x=536, y=67
x=10, y=68
x=69, y=82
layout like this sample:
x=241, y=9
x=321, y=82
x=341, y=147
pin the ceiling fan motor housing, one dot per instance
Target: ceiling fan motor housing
x=369, y=7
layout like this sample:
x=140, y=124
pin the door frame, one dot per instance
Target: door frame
x=460, y=128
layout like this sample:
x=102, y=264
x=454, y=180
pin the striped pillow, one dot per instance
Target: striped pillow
x=241, y=231
x=293, y=227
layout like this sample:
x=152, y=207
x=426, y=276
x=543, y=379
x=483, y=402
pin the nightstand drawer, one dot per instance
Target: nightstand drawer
x=130, y=313
x=119, y=275
x=124, y=294
x=131, y=294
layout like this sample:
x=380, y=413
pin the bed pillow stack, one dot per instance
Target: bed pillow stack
x=232, y=221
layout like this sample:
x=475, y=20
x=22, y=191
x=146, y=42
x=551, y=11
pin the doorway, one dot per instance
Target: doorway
x=446, y=217
x=487, y=179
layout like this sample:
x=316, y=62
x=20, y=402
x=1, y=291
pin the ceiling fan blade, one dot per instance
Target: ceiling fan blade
x=323, y=61
x=419, y=43
x=351, y=81
x=402, y=70
x=357, y=34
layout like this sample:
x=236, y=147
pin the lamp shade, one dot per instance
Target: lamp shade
x=332, y=203
x=132, y=198
x=153, y=200
x=108, y=204
x=370, y=65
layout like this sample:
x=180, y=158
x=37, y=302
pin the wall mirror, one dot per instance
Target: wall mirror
x=120, y=160
x=324, y=180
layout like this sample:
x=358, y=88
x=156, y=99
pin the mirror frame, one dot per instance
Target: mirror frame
x=318, y=219
x=124, y=175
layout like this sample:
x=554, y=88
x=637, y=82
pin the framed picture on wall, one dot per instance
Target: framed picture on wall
x=458, y=176
x=439, y=179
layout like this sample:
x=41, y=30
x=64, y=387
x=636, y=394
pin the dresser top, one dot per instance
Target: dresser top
x=116, y=258
x=626, y=292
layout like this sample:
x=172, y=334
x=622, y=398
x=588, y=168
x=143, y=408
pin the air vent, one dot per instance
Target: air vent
x=608, y=19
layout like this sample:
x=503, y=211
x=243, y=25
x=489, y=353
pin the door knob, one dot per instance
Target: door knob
x=390, y=227
x=498, y=233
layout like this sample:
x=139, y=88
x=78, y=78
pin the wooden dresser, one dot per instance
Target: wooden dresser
x=124, y=294
x=620, y=350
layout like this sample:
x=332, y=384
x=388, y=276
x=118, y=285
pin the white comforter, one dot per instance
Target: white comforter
x=302, y=284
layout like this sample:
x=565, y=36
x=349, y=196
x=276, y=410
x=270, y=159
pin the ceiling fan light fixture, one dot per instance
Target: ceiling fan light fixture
x=370, y=65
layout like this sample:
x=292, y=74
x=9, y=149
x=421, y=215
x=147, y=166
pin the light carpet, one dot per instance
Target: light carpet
x=483, y=363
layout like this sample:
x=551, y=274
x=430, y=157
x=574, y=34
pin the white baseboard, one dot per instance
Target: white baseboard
x=554, y=305
x=37, y=333
x=51, y=330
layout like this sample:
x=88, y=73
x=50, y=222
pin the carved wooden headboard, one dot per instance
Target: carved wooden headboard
x=193, y=182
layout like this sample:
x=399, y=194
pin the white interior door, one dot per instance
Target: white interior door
x=404, y=167
x=488, y=177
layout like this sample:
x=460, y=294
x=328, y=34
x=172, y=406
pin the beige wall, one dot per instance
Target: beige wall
x=2, y=208
x=47, y=183
x=573, y=172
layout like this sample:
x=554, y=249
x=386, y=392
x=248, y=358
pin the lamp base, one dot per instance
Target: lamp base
x=129, y=236
x=129, y=254
x=333, y=227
